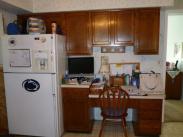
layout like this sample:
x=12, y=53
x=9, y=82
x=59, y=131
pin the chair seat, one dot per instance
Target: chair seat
x=113, y=113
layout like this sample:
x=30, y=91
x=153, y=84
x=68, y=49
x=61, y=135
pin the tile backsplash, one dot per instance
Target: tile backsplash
x=147, y=62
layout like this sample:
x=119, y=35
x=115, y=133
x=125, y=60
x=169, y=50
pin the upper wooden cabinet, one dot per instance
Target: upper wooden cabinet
x=147, y=31
x=77, y=33
x=123, y=27
x=112, y=27
x=134, y=27
x=101, y=29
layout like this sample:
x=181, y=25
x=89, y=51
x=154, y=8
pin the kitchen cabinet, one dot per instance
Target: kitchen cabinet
x=101, y=29
x=75, y=25
x=147, y=118
x=3, y=112
x=147, y=31
x=173, y=88
x=78, y=33
x=112, y=27
x=126, y=27
x=123, y=27
x=76, y=111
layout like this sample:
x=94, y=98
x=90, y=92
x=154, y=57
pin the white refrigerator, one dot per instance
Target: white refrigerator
x=33, y=66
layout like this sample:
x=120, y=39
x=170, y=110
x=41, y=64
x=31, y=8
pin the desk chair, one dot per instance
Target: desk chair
x=113, y=103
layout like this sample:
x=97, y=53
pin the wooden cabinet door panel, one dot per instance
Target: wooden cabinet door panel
x=124, y=27
x=147, y=31
x=76, y=112
x=76, y=115
x=147, y=118
x=101, y=34
x=173, y=86
x=77, y=33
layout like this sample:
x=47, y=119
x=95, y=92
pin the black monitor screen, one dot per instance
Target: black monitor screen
x=81, y=65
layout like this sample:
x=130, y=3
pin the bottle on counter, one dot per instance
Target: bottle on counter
x=135, y=80
x=66, y=77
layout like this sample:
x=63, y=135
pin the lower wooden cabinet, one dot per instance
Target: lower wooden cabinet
x=173, y=86
x=76, y=111
x=78, y=114
x=147, y=117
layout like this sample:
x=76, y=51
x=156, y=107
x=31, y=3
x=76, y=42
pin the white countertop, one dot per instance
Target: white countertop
x=137, y=97
x=75, y=86
x=134, y=92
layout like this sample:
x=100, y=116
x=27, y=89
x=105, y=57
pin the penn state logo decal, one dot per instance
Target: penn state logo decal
x=31, y=85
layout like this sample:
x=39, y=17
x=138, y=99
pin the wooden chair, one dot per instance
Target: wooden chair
x=113, y=103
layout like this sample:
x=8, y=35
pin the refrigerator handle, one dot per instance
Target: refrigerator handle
x=54, y=85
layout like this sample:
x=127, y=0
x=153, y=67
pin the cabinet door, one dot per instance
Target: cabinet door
x=148, y=117
x=123, y=27
x=101, y=34
x=173, y=86
x=76, y=110
x=147, y=31
x=76, y=115
x=77, y=33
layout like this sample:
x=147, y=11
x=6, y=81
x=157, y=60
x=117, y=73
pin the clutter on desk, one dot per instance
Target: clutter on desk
x=125, y=74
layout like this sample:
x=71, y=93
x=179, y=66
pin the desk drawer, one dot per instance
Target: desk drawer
x=147, y=127
x=149, y=115
x=75, y=93
x=150, y=104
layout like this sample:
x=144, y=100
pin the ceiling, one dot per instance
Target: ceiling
x=36, y=6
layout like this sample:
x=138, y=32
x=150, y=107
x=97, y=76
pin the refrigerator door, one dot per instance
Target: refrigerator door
x=31, y=104
x=29, y=53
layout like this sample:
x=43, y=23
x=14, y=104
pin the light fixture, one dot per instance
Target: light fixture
x=104, y=68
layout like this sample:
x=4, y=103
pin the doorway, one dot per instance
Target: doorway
x=174, y=55
x=174, y=66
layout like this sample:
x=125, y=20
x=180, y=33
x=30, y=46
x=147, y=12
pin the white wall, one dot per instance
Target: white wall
x=74, y=5
x=178, y=4
x=26, y=5
x=7, y=18
x=175, y=35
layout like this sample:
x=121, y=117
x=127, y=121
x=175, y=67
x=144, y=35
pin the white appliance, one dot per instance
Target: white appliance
x=33, y=66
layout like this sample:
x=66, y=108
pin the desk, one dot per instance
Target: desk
x=78, y=104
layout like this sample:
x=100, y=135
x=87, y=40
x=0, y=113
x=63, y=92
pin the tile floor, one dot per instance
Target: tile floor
x=110, y=130
x=169, y=129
